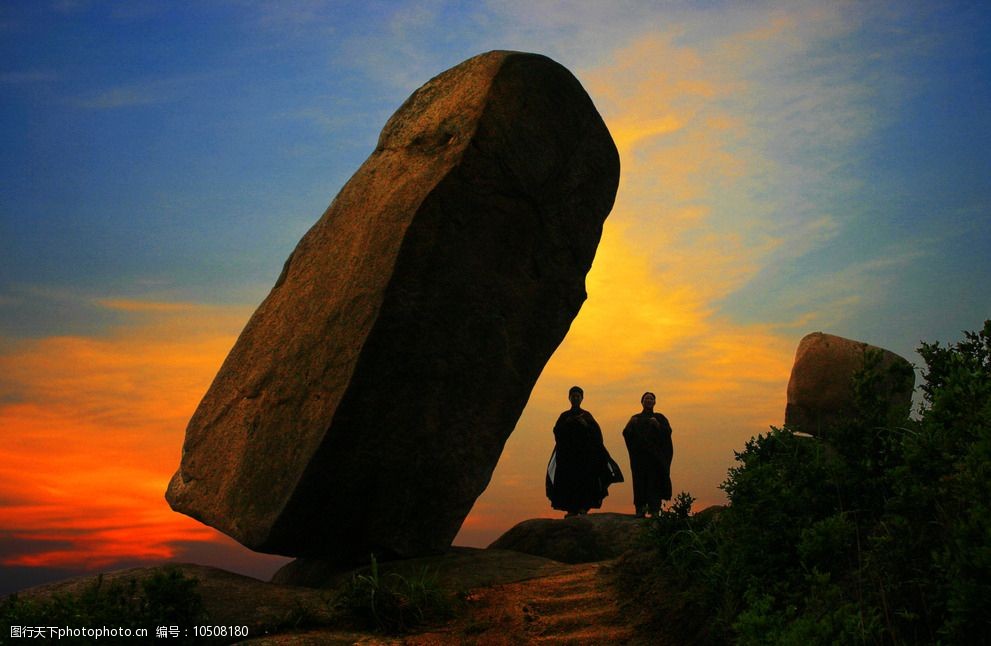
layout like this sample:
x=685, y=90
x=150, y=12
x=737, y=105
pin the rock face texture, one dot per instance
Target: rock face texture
x=579, y=539
x=368, y=399
x=820, y=391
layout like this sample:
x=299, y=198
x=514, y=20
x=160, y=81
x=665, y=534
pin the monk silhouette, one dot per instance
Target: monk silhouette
x=581, y=469
x=648, y=439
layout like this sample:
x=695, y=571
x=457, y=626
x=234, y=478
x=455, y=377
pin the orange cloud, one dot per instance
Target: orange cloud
x=92, y=432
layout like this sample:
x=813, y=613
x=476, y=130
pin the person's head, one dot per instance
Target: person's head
x=648, y=400
x=576, y=395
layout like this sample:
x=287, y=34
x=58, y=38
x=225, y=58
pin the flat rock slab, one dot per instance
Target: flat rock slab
x=456, y=570
x=820, y=390
x=366, y=403
x=579, y=539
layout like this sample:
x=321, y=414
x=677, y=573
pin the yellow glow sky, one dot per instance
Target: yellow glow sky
x=651, y=322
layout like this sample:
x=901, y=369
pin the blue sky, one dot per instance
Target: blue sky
x=787, y=168
x=182, y=149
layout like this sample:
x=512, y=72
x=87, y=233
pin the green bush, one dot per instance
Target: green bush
x=878, y=531
x=166, y=598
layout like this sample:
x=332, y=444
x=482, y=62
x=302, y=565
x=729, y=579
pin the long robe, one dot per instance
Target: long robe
x=582, y=468
x=650, y=459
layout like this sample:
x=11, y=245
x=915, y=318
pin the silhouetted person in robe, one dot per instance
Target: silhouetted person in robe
x=648, y=439
x=581, y=470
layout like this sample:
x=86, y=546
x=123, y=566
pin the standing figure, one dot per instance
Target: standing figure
x=580, y=469
x=648, y=439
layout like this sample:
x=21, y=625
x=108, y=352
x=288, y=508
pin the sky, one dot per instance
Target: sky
x=786, y=168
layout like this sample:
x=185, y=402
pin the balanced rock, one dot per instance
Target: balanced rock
x=820, y=391
x=366, y=403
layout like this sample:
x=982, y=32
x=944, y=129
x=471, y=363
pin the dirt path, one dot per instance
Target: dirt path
x=577, y=606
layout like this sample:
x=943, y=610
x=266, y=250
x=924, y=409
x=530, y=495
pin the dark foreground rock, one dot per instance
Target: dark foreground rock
x=456, y=570
x=275, y=613
x=820, y=391
x=579, y=539
x=368, y=399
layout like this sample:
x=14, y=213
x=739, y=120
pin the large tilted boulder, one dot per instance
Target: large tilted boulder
x=368, y=399
x=820, y=391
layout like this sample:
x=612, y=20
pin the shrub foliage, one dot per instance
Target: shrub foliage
x=166, y=598
x=876, y=532
x=393, y=603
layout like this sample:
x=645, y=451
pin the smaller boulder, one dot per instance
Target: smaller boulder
x=820, y=391
x=579, y=539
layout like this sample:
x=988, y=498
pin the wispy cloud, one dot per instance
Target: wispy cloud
x=71, y=6
x=294, y=16
x=123, y=97
x=142, y=93
x=401, y=52
x=824, y=302
x=28, y=76
x=333, y=116
x=134, y=305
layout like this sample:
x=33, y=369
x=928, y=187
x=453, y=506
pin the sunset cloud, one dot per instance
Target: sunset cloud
x=92, y=431
x=697, y=217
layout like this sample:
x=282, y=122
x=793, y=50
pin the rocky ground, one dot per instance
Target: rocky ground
x=507, y=596
x=574, y=606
